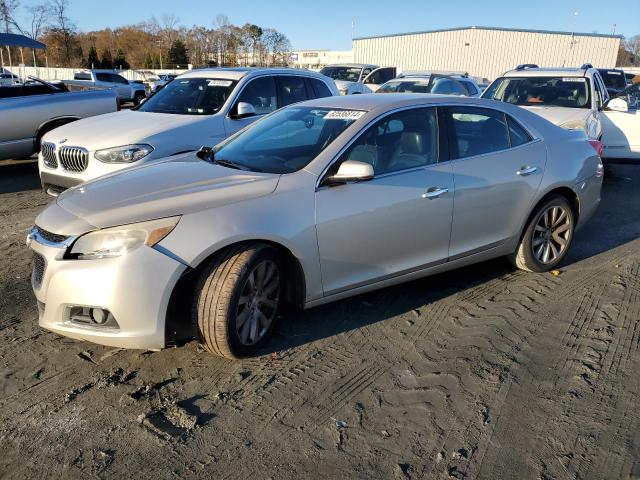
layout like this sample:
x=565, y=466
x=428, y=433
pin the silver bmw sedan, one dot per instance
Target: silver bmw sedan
x=316, y=202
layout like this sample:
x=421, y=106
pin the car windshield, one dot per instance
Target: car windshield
x=572, y=92
x=285, y=141
x=190, y=96
x=407, y=86
x=349, y=74
x=613, y=79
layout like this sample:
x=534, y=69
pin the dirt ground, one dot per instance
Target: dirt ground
x=485, y=372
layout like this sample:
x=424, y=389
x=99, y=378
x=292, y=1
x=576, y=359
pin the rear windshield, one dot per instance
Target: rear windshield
x=349, y=74
x=572, y=92
x=286, y=140
x=190, y=96
x=82, y=76
x=613, y=79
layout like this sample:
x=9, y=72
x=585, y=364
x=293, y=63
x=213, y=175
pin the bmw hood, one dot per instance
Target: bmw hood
x=127, y=126
x=569, y=118
x=177, y=186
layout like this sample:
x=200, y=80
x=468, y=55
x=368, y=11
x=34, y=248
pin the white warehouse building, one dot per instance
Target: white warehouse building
x=486, y=51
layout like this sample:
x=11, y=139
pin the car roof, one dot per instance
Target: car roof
x=238, y=73
x=547, y=72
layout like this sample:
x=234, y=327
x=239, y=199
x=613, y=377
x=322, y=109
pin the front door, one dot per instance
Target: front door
x=497, y=172
x=399, y=221
x=259, y=92
x=621, y=130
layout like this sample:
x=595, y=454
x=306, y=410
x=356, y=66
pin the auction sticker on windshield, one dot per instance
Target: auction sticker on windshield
x=574, y=79
x=219, y=83
x=344, y=115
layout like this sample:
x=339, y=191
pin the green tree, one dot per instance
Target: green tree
x=178, y=54
x=120, y=61
x=92, y=60
x=107, y=59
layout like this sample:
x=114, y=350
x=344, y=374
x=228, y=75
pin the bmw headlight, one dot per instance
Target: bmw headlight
x=124, y=154
x=117, y=241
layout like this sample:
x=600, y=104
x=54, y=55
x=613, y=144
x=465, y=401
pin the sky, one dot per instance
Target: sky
x=327, y=24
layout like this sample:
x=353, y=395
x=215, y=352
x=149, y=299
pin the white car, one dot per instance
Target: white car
x=201, y=107
x=356, y=78
x=621, y=125
x=161, y=82
x=461, y=85
x=573, y=98
x=128, y=91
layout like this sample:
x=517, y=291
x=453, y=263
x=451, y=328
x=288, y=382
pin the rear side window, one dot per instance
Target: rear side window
x=291, y=90
x=319, y=88
x=261, y=93
x=82, y=76
x=477, y=131
x=104, y=77
x=517, y=135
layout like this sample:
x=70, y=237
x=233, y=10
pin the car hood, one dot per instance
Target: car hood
x=563, y=117
x=176, y=186
x=118, y=128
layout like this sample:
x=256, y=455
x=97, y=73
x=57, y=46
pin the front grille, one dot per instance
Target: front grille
x=48, y=151
x=37, y=273
x=51, y=237
x=73, y=159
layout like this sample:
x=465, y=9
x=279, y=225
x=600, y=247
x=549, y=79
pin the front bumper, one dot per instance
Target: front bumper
x=135, y=288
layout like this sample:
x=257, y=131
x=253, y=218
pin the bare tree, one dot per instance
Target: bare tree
x=39, y=15
x=63, y=28
x=8, y=21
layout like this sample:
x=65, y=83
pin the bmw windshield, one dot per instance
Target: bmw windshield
x=572, y=92
x=190, y=96
x=285, y=141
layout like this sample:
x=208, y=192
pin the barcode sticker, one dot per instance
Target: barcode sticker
x=573, y=79
x=219, y=83
x=344, y=115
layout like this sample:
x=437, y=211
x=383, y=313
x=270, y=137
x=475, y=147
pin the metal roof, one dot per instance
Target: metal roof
x=577, y=34
x=14, y=40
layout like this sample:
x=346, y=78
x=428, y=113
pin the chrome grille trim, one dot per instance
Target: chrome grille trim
x=51, y=237
x=43, y=237
x=48, y=151
x=73, y=159
x=37, y=273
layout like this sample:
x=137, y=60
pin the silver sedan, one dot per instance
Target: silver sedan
x=316, y=202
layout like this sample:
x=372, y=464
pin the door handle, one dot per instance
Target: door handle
x=434, y=192
x=524, y=171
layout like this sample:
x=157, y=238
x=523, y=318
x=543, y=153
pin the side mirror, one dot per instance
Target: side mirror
x=618, y=105
x=351, y=171
x=244, y=110
x=204, y=152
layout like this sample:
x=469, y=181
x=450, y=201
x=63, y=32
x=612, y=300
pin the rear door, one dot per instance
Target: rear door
x=379, y=76
x=497, y=170
x=621, y=130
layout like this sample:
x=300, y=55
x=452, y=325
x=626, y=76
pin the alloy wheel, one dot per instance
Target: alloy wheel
x=551, y=234
x=258, y=303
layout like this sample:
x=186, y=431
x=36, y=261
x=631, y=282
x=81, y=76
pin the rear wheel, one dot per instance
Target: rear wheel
x=238, y=299
x=547, y=237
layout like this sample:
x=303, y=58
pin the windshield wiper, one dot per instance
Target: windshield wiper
x=227, y=163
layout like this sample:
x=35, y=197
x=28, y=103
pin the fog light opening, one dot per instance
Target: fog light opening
x=91, y=316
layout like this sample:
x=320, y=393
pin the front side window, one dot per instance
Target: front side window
x=571, y=92
x=285, y=141
x=399, y=141
x=103, y=77
x=190, y=96
x=477, y=131
x=119, y=79
x=261, y=93
x=349, y=74
x=320, y=88
x=292, y=90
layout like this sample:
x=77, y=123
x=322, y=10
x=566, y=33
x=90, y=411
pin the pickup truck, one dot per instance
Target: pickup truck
x=127, y=91
x=31, y=109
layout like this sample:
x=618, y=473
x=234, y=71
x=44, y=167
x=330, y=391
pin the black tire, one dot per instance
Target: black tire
x=138, y=97
x=532, y=249
x=218, y=305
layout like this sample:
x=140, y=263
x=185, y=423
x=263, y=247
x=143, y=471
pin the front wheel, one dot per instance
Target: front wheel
x=238, y=299
x=547, y=237
x=137, y=99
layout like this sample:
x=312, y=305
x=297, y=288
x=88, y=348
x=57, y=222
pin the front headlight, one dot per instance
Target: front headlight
x=124, y=154
x=116, y=241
